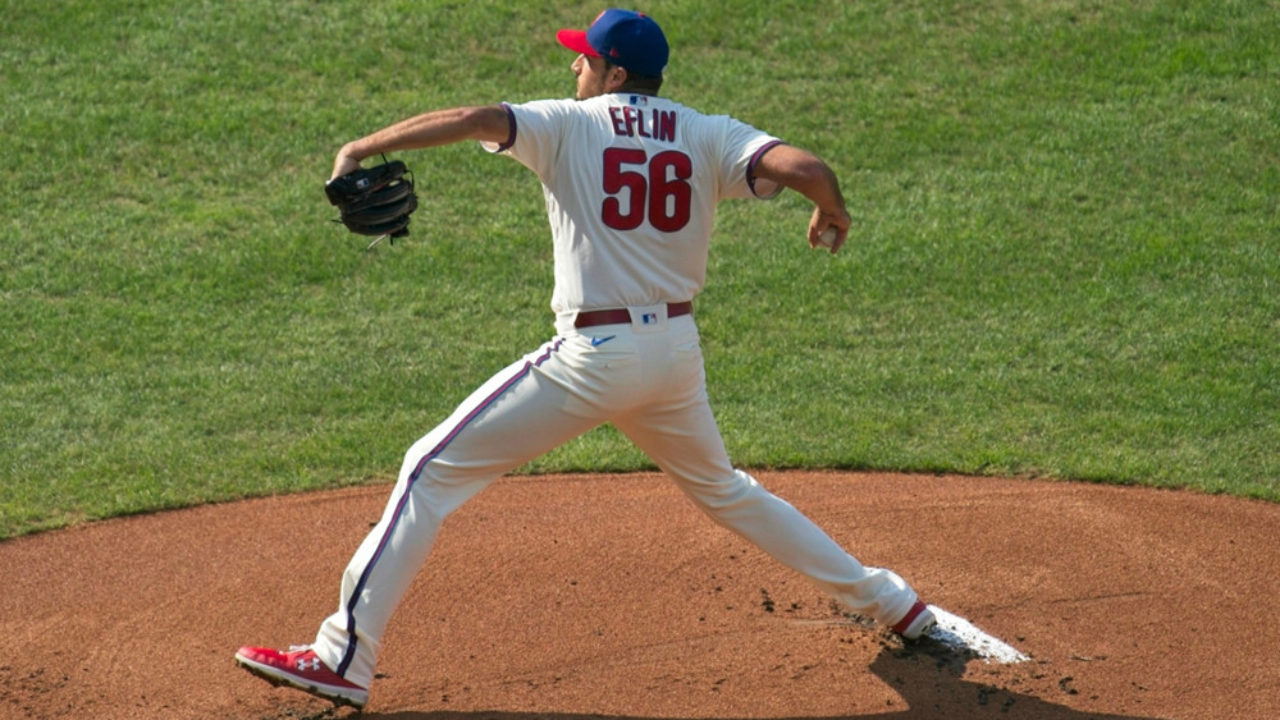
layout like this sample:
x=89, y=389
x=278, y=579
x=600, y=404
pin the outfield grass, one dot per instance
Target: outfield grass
x=1065, y=258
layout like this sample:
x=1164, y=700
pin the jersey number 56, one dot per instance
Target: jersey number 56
x=660, y=185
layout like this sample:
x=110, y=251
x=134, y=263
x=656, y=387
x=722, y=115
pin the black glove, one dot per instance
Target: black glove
x=375, y=201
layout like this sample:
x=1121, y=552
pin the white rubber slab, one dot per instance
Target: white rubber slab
x=963, y=636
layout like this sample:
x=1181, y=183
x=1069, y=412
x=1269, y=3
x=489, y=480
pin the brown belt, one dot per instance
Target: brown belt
x=620, y=316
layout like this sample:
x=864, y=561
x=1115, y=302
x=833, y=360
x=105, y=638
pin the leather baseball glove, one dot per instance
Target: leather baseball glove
x=375, y=201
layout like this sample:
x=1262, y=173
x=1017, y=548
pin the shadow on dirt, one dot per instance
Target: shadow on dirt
x=928, y=679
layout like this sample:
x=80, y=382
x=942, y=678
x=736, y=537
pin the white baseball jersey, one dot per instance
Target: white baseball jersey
x=631, y=184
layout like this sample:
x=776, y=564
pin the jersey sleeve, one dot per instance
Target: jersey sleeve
x=742, y=150
x=537, y=131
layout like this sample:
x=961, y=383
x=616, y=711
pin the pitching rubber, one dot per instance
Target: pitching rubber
x=961, y=635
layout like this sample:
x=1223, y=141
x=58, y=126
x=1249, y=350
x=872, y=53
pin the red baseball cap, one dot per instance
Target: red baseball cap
x=625, y=38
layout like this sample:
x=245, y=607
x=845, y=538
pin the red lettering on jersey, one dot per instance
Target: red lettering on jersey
x=664, y=188
x=629, y=122
x=619, y=126
x=630, y=114
x=664, y=125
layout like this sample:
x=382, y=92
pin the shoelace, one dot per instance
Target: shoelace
x=299, y=648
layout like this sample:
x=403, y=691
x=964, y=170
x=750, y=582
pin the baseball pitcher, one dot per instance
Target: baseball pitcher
x=631, y=182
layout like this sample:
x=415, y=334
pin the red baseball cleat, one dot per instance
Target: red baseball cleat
x=300, y=668
x=918, y=619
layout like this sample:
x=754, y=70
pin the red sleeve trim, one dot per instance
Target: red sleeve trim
x=755, y=159
x=511, y=136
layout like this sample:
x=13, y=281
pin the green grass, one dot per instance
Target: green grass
x=1065, y=260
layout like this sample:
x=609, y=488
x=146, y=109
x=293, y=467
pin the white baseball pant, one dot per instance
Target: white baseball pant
x=647, y=379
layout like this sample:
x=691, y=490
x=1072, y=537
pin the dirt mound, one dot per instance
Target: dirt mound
x=576, y=597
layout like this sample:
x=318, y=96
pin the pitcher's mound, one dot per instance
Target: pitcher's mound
x=575, y=597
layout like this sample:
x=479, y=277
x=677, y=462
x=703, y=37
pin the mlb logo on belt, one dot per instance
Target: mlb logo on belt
x=649, y=318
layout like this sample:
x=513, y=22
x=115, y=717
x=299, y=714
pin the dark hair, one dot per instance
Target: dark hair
x=637, y=83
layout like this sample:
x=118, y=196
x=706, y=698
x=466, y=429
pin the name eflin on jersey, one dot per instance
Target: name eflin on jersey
x=653, y=123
